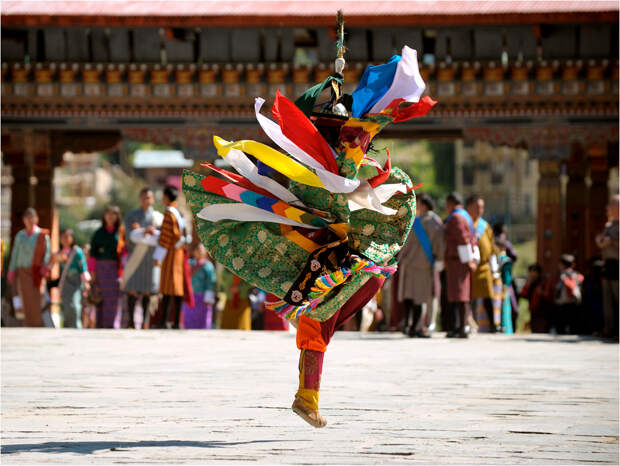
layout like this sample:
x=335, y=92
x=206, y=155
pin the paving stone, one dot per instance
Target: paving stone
x=120, y=396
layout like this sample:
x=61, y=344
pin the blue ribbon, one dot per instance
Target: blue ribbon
x=423, y=239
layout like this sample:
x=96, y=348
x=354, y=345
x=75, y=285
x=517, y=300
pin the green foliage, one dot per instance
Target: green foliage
x=427, y=162
x=526, y=253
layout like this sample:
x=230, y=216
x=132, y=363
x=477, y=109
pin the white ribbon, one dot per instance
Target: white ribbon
x=365, y=197
x=245, y=213
x=244, y=166
x=332, y=182
x=407, y=84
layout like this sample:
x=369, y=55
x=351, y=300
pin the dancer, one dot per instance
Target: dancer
x=323, y=244
x=31, y=250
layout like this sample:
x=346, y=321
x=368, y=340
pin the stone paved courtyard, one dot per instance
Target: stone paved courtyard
x=224, y=396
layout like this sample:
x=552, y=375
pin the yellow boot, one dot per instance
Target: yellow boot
x=306, y=404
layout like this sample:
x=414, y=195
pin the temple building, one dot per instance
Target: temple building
x=538, y=77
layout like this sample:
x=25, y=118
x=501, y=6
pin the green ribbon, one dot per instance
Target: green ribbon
x=308, y=99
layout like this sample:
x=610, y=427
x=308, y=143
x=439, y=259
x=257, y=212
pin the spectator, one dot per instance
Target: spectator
x=420, y=257
x=170, y=255
x=89, y=305
x=567, y=296
x=271, y=320
x=505, y=267
x=460, y=259
x=482, y=278
x=534, y=292
x=139, y=277
x=237, y=314
x=107, y=247
x=31, y=250
x=608, y=242
x=499, y=231
x=200, y=316
x=73, y=277
x=593, y=321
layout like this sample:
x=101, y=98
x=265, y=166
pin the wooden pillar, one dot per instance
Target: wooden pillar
x=598, y=197
x=576, y=206
x=21, y=190
x=549, y=216
x=28, y=153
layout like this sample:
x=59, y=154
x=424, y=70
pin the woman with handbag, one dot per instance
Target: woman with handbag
x=106, y=249
x=73, y=277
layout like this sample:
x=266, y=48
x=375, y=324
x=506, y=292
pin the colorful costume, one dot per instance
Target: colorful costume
x=323, y=244
x=30, y=252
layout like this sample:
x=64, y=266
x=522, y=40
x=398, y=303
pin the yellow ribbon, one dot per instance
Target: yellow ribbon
x=276, y=160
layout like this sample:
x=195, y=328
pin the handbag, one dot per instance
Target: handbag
x=94, y=296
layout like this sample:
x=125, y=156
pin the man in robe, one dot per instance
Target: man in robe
x=460, y=260
x=31, y=250
x=488, y=268
x=421, y=255
x=170, y=255
x=139, y=279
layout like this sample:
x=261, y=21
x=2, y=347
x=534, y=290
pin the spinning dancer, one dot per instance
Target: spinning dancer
x=322, y=242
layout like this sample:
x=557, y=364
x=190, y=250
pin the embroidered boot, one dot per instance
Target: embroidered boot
x=306, y=404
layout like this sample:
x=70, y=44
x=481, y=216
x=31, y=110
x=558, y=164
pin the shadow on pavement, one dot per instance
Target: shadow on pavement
x=562, y=339
x=87, y=448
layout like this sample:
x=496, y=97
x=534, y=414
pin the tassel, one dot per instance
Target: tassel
x=326, y=283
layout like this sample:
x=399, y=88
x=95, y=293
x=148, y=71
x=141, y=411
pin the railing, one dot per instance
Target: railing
x=464, y=81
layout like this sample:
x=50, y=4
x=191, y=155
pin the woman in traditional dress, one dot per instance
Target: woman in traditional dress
x=31, y=250
x=106, y=248
x=200, y=315
x=505, y=266
x=73, y=277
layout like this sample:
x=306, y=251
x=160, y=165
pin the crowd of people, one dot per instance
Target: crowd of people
x=464, y=266
x=144, y=270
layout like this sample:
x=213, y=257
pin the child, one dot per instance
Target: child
x=567, y=296
x=505, y=267
x=203, y=284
